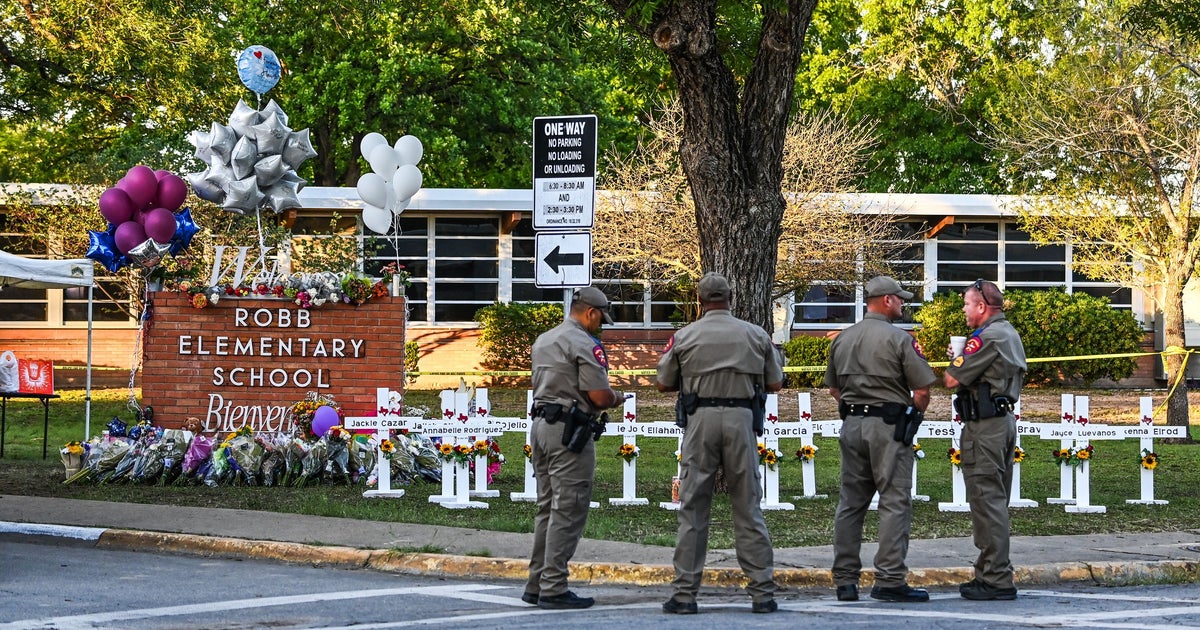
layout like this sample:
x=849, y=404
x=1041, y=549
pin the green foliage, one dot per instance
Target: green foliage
x=809, y=351
x=1052, y=323
x=508, y=331
x=412, y=359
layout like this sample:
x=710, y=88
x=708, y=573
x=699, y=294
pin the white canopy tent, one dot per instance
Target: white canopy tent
x=31, y=273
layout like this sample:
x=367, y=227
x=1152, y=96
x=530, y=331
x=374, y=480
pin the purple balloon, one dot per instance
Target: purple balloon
x=115, y=206
x=160, y=225
x=324, y=418
x=129, y=234
x=141, y=184
x=171, y=191
x=160, y=173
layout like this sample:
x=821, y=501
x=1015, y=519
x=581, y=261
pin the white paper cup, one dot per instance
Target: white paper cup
x=957, y=344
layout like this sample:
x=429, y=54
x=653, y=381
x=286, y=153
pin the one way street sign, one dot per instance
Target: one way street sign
x=564, y=259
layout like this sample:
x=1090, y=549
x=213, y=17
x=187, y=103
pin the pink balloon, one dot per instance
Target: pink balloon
x=129, y=235
x=141, y=184
x=139, y=216
x=160, y=225
x=171, y=192
x=160, y=173
x=115, y=206
x=324, y=418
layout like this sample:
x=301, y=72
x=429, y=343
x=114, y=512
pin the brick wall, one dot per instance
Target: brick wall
x=193, y=366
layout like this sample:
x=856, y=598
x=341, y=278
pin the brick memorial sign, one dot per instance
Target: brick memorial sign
x=245, y=361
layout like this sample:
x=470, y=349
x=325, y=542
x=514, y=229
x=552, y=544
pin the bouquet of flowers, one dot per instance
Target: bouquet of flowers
x=293, y=458
x=357, y=289
x=149, y=465
x=313, y=463
x=245, y=455
x=125, y=467
x=955, y=456
x=426, y=456
x=197, y=453
x=73, y=454
x=807, y=452
x=362, y=456
x=628, y=452
x=273, y=466
x=917, y=452
x=102, y=458
x=218, y=471
x=337, y=462
x=1018, y=455
x=302, y=413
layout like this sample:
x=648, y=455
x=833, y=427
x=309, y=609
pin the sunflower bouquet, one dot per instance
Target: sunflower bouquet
x=807, y=452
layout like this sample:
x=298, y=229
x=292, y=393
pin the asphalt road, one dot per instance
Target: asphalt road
x=56, y=583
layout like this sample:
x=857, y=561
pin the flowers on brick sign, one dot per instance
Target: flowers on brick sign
x=629, y=452
x=955, y=456
x=1018, y=455
x=1149, y=459
x=305, y=290
x=302, y=413
x=768, y=456
x=917, y=452
x=807, y=452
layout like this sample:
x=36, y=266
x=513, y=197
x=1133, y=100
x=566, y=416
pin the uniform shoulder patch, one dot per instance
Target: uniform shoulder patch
x=670, y=344
x=917, y=347
x=958, y=361
x=601, y=358
x=973, y=346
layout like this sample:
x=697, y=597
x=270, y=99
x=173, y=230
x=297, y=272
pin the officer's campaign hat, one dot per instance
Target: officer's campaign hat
x=595, y=298
x=886, y=285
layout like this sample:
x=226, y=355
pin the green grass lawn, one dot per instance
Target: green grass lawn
x=1114, y=479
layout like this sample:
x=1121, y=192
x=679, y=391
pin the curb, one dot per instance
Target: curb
x=1102, y=573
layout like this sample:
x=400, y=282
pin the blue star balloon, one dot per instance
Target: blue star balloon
x=258, y=68
x=185, y=229
x=103, y=249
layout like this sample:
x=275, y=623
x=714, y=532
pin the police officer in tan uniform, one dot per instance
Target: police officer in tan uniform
x=988, y=375
x=873, y=366
x=570, y=374
x=720, y=359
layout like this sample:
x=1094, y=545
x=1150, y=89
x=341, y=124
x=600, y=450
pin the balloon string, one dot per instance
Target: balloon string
x=262, y=243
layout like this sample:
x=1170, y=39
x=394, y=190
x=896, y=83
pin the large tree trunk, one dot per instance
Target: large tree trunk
x=732, y=151
x=1173, y=336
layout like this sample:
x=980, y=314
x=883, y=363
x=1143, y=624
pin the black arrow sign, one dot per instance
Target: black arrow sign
x=554, y=259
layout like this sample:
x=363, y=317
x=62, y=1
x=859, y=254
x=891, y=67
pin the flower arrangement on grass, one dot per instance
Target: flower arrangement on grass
x=74, y=448
x=1149, y=459
x=917, y=452
x=955, y=456
x=768, y=456
x=628, y=452
x=807, y=452
x=1018, y=455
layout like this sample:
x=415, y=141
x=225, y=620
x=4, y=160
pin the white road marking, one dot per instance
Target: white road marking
x=1105, y=596
x=63, y=531
x=240, y=604
x=481, y=617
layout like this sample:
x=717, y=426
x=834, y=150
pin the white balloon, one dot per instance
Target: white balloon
x=410, y=149
x=370, y=141
x=407, y=181
x=401, y=207
x=377, y=219
x=384, y=160
x=372, y=189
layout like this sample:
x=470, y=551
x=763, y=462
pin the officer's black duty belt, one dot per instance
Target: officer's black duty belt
x=747, y=403
x=880, y=410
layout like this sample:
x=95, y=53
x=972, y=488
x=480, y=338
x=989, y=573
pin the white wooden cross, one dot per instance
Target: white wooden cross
x=952, y=430
x=808, y=468
x=388, y=407
x=1146, y=432
x=1085, y=433
x=627, y=428
x=770, y=475
x=529, y=494
x=1066, y=476
x=1014, y=498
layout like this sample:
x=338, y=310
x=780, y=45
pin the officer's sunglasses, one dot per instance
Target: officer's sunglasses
x=978, y=286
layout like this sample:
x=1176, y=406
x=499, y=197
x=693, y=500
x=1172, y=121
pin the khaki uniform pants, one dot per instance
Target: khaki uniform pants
x=872, y=460
x=987, y=453
x=721, y=436
x=564, y=487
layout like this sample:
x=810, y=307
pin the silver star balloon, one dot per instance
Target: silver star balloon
x=292, y=178
x=221, y=141
x=148, y=253
x=205, y=189
x=270, y=135
x=269, y=170
x=297, y=149
x=273, y=108
x=242, y=196
x=282, y=196
x=202, y=140
x=243, y=158
x=243, y=119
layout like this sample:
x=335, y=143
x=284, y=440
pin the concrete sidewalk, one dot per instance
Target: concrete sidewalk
x=1111, y=558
